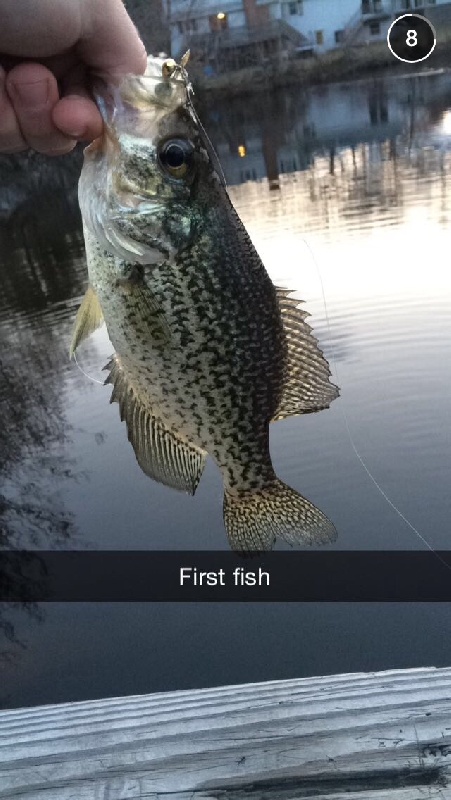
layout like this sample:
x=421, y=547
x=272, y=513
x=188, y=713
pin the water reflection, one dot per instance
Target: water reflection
x=269, y=135
x=362, y=212
x=38, y=280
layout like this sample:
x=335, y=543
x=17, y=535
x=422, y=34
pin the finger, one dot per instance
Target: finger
x=110, y=44
x=76, y=114
x=31, y=29
x=78, y=117
x=11, y=139
x=33, y=92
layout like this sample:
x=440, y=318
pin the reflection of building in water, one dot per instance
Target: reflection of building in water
x=256, y=141
x=373, y=187
x=228, y=34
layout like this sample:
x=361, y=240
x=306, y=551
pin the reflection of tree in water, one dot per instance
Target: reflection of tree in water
x=237, y=120
x=365, y=180
x=40, y=242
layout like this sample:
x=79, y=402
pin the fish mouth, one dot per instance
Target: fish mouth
x=136, y=105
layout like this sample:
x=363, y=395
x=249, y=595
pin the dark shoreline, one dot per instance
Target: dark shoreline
x=353, y=63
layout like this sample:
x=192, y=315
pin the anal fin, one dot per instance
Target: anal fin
x=162, y=454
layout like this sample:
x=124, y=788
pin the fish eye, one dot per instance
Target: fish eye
x=176, y=157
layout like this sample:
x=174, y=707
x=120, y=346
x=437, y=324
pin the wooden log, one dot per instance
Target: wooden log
x=341, y=737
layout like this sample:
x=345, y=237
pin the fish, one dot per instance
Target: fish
x=207, y=351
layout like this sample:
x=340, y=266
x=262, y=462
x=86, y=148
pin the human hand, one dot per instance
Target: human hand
x=48, y=52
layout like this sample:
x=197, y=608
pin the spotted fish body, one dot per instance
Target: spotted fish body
x=207, y=350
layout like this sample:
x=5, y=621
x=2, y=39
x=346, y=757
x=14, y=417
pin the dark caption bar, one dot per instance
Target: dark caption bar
x=194, y=576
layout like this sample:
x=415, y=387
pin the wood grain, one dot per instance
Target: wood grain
x=339, y=737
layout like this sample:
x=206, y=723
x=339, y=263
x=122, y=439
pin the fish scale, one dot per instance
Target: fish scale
x=207, y=350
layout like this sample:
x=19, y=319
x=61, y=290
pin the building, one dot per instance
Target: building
x=373, y=18
x=325, y=23
x=227, y=34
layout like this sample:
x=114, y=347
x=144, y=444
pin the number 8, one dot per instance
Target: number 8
x=411, y=38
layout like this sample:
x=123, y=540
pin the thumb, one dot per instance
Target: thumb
x=110, y=44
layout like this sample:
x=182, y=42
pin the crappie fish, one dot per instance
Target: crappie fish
x=207, y=351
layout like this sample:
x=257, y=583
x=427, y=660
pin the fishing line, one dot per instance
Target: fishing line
x=85, y=373
x=351, y=440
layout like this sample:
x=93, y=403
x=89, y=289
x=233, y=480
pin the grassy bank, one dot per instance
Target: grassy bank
x=338, y=65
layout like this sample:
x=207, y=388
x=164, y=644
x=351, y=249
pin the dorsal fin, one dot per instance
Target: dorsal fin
x=160, y=452
x=89, y=318
x=307, y=386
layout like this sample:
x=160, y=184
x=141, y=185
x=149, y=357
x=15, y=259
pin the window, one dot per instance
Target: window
x=371, y=6
x=189, y=26
x=375, y=28
x=223, y=21
x=419, y=3
x=319, y=36
x=339, y=36
x=405, y=5
x=218, y=21
x=294, y=7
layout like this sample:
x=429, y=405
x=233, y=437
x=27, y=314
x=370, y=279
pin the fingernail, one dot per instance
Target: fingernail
x=31, y=94
x=75, y=133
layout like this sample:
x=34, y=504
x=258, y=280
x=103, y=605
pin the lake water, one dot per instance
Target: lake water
x=345, y=191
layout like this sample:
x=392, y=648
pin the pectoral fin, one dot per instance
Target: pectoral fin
x=89, y=318
x=162, y=454
x=307, y=385
x=147, y=308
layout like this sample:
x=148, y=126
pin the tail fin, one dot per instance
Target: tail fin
x=254, y=519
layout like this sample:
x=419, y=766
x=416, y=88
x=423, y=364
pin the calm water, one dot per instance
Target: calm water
x=345, y=192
